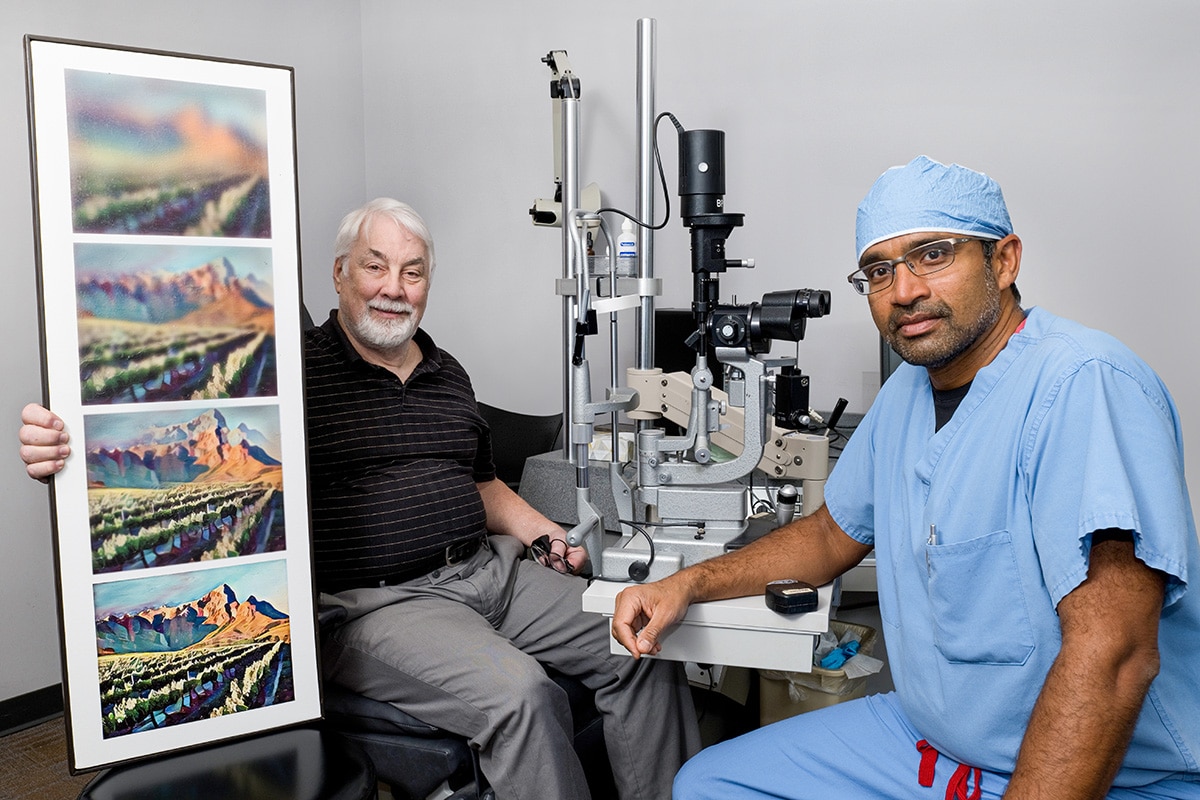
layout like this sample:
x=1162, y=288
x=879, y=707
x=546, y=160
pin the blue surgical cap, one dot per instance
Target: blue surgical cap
x=924, y=195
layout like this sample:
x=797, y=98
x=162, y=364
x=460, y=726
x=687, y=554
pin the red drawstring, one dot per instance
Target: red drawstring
x=957, y=788
x=929, y=758
x=959, y=782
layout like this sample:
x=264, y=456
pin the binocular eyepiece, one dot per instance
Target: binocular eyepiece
x=780, y=315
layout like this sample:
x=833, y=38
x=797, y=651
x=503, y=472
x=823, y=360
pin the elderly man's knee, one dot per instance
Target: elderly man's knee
x=528, y=689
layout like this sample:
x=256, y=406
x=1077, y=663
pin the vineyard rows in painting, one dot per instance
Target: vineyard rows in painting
x=154, y=690
x=233, y=206
x=129, y=362
x=183, y=524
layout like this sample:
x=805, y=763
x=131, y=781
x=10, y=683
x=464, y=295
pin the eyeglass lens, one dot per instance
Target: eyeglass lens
x=923, y=260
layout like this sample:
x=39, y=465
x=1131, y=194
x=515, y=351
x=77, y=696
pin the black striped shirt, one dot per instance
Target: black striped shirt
x=392, y=465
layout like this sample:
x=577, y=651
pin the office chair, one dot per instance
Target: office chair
x=414, y=758
x=516, y=437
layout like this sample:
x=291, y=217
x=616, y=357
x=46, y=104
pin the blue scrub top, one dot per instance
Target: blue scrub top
x=1066, y=432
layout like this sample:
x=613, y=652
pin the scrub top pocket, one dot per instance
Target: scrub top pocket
x=978, y=601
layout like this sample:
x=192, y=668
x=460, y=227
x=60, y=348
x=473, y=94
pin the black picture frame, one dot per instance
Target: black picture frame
x=167, y=248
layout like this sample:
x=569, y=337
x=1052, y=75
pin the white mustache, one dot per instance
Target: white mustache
x=393, y=307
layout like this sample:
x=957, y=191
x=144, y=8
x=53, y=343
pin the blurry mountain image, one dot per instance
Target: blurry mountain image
x=156, y=323
x=154, y=156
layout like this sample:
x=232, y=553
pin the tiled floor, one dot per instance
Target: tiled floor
x=33, y=764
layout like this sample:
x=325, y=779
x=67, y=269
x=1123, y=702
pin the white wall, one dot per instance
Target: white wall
x=1086, y=112
x=322, y=44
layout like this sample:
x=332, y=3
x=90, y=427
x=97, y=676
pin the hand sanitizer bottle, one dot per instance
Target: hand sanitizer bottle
x=627, y=254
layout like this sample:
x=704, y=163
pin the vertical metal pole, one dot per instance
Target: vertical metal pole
x=614, y=355
x=570, y=202
x=646, y=68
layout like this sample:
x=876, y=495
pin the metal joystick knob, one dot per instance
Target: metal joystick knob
x=785, y=504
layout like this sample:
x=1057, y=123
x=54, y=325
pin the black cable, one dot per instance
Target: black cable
x=646, y=564
x=835, y=450
x=760, y=505
x=649, y=540
x=662, y=177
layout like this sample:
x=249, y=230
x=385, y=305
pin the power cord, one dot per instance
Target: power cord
x=640, y=570
x=661, y=177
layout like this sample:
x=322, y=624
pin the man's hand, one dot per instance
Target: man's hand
x=643, y=613
x=507, y=513
x=812, y=549
x=576, y=557
x=554, y=552
x=44, y=442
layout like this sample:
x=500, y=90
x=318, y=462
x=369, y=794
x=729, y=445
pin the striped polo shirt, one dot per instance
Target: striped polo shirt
x=392, y=464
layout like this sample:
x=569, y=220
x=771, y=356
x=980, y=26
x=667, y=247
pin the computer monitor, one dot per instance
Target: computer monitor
x=889, y=360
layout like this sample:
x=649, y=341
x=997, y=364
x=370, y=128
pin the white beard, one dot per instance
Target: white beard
x=384, y=334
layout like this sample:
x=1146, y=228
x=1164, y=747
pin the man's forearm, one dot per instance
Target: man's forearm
x=508, y=513
x=1085, y=715
x=812, y=549
x=1080, y=729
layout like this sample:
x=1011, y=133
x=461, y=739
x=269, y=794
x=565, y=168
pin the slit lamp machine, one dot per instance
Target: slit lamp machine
x=686, y=495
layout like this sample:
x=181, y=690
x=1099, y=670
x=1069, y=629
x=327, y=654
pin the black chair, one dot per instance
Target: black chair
x=414, y=758
x=296, y=764
x=516, y=437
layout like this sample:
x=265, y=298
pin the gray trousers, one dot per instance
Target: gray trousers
x=459, y=648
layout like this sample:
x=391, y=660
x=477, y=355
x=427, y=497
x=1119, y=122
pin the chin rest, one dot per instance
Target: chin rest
x=415, y=758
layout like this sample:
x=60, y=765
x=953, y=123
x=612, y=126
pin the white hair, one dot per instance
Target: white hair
x=401, y=213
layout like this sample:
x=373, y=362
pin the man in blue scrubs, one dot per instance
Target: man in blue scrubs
x=1021, y=481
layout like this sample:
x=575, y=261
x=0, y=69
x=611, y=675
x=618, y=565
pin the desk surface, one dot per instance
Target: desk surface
x=738, y=632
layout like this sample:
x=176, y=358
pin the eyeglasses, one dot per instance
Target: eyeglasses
x=923, y=260
x=542, y=550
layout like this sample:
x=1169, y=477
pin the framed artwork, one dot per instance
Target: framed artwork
x=169, y=298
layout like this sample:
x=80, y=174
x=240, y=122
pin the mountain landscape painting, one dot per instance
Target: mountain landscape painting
x=155, y=156
x=169, y=316
x=174, y=649
x=162, y=322
x=183, y=486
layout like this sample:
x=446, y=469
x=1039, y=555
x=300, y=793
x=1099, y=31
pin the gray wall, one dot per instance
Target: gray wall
x=1085, y=111
x=322, y=43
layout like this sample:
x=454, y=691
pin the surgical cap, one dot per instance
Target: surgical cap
x=924, y=195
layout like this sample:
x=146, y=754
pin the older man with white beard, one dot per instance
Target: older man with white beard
x=424, y=549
